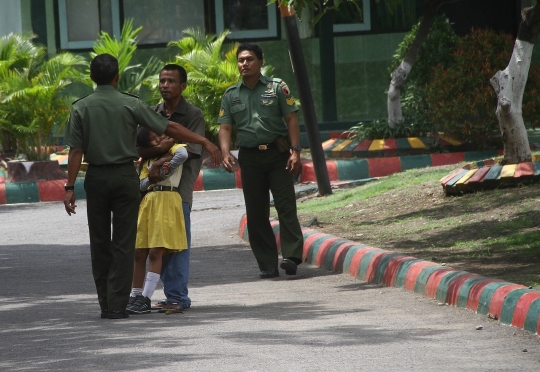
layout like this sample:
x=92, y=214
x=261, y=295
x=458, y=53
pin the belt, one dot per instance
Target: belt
x=114, y=165
x=162, y=188
x=262, y=147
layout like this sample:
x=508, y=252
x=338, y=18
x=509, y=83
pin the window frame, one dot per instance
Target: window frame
x=65, y=44
x=270, y=32
x=355, y=27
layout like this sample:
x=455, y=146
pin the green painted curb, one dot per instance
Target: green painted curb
x=465, y=290
x=487, y=295
x=510, y=302
x=218, y=179
x=423, y=277
x=446, y=280
x=401, y=273
x=22, y=192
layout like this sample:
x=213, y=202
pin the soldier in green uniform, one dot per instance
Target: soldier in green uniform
x=264, y=114
x=103, y=128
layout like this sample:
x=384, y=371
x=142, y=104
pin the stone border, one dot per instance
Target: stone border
x=488, y=174
x=511, y=304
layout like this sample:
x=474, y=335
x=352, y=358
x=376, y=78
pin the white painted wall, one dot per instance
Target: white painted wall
x=10, y=17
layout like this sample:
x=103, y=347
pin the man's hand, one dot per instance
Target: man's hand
x=294, y=165
x=166, y=144
x=69, y=202
x=214, y=152
x=153, y=172
x=228, y=162
x=166, y=167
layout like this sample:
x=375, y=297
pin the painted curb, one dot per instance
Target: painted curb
x=511, y=304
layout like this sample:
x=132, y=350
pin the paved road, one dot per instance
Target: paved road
x=316, y=321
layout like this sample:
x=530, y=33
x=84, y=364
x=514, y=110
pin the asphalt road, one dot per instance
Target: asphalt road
x=316, y=321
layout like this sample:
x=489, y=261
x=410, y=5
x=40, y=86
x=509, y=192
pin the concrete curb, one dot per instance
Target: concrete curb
x=219, y=178
x=511, y=304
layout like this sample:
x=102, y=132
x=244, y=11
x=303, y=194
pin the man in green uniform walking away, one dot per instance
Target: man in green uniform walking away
x=264, y=114
x=103, y=128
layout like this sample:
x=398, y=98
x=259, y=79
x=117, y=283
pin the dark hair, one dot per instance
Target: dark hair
x=103, y=69
x=143, y=137
x=181, y=71
x=255, y=48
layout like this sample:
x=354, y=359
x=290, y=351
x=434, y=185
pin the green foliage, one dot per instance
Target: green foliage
x=379, y=129
x=34, y=106
x=132, y=77
x=460, y=96
x=212, y=68
x=436, y=50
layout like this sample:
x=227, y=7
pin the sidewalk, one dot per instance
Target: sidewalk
x=511, y=304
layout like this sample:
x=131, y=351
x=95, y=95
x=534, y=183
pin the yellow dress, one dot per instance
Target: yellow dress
x=161, y=218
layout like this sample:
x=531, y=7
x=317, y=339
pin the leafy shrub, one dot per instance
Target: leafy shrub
x=460, y=96
x=379, y=129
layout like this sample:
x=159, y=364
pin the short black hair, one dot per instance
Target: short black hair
x=103, y=69
x=143, y=137
x=181, y=71
x=255, y=48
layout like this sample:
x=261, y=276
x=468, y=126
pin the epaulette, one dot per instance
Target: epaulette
x=129, y=94
x=77, y=100
x=275, y=80
x=233, y=87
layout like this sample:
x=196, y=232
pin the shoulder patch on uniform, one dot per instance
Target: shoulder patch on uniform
x=77, y=100
x=285, y=88
x=221, y=112
x=290, y=101
x=129, y=94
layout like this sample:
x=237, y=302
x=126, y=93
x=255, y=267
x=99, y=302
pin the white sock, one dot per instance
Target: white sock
x=135, y=292
x=150, y=284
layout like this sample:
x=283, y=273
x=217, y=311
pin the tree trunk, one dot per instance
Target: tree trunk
x=399, y=75
x=509, y=86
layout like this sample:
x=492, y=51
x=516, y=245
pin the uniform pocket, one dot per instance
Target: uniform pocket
x=237, y=111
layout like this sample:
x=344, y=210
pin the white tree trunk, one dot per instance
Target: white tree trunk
x=398, y=77
x=510, y=86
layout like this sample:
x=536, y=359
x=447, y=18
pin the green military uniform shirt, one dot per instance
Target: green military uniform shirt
x=257, y=113
x=104, y=124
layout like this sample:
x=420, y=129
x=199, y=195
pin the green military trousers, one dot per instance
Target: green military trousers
x=112, y=189
x=263, y=171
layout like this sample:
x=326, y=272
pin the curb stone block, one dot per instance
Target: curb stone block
x=403, y=270
x=21, y=192
x=412, y=275
x=465, y=291
x=510, y=303
x=497, y=301
x=447, y=159
x=51, y=190
x=435, y=279
x=380, y=167
x=3, y=193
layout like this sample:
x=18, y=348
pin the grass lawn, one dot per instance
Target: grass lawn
x=492, y=233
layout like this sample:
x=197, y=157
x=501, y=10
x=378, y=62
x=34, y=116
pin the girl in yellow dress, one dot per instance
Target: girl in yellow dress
x=160, y=227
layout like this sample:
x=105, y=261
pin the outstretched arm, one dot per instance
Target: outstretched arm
x=182, y=134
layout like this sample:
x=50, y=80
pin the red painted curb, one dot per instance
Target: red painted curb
x=446, y=159
x=371, y=272
x=497, y=300
x=341, y=252
x=476, y=292
x=2, y=193
x=52, y=190
x=308, y=242
x=355, y=260
x=434, y=280
x=198, y=185
x=410, y=280
x=323, y=250
x=242, y=228
x=522, y=307
x=452, y=294
x=380, y=167
x=392, y=268
x=238, y=178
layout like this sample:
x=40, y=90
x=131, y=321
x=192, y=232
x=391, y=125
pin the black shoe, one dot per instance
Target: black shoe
x=131, y=301
x=117, y=315
x=141, y=305
x=289, y=266
x=104, y=314
x=270, y=273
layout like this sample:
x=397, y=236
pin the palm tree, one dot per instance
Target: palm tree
x=132, y=77
x=35, y=104
x=212, y=68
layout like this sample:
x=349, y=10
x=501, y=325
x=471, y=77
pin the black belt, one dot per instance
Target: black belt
x=162, y=188
x=114, y=165
x=262, y=147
